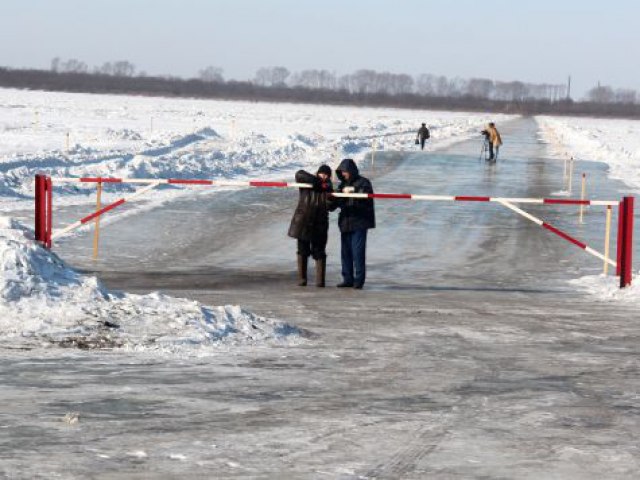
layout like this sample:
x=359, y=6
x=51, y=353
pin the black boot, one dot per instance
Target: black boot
x=321, y=269
x=302, y=270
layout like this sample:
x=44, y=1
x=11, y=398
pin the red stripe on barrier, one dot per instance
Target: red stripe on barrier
x=88, y=218
x=560, y=233
x=568, y=201
x=472, y=199
x=268, y=184
x=390, y=195
x=100, y=180
x=190, y=182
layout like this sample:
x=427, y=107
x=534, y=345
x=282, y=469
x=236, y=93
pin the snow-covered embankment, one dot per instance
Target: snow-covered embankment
x=611, y=141
x=43, y=302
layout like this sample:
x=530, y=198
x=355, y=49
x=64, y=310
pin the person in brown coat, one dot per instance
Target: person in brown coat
x=494, y=140
x=310, y=223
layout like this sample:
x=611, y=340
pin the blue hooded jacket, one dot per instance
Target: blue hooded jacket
x=355, y=213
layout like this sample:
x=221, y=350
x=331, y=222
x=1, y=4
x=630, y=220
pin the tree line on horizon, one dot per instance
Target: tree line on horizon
x=367, y=81
x=363, y=87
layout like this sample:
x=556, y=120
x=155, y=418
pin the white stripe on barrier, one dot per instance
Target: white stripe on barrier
x=600, y=256
x=520, y=211
x=350, y=195
x=539, y=201
x=435, y=198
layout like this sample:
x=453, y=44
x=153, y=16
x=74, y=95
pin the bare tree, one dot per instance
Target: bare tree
x=105, y=69
x=362, y=81
x=55, y=64
x=123, y=68
x=624, y=95
x=73, y=66
x=211, y=74
x=279, y=76
x=318, y=79
x=480, y=87
x=272, y=76
x=263, y=77
x=426, y=84
x=601, y=94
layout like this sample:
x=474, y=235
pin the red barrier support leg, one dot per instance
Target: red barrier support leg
x=40, y=217
x=43, y=210
x=619, y=247
x=49, y=221
x=626, y=253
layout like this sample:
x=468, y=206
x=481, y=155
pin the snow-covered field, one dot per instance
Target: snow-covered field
x=43, y=300
x=611, y=141
x=158, y=137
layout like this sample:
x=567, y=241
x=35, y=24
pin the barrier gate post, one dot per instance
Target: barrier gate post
x=43, y=214
x=625, y=236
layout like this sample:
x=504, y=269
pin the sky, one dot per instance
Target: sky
x=543, y=41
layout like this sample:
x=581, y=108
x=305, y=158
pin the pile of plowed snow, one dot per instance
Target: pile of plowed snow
x=45, y=302
x=607, y=288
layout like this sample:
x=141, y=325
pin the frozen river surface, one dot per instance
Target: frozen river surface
x=467, y=355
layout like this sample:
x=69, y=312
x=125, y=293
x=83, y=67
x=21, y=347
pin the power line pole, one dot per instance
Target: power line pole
x=569, y=88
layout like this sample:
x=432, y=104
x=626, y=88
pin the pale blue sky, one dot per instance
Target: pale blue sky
x=537, y=41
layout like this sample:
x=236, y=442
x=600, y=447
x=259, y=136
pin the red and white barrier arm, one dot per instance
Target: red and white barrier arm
x=271, y=184
x=182, y=181
x=462, y=198
x=560, y=233
x=103, y=210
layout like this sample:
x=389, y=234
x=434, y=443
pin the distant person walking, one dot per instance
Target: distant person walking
x=310, y=223
x=493, y=139
x=423, y=135
x=357, y=216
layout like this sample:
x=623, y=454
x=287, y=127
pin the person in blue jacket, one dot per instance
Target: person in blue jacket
x=356, y=217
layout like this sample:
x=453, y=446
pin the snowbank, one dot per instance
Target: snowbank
x=614, y=142
x=607, y=288
x=611, y=141
x=44, y=302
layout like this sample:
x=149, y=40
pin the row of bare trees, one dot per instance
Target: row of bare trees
x=606, y=94
x=321, y=88
x=119, y=68
x=371, y=82
x=367, y=82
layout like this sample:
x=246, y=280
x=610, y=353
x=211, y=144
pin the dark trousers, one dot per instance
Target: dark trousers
x=491, y=156
x=354, y=246
x=422, y=140
x=316, y=247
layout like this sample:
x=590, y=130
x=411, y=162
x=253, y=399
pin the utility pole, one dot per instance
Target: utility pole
x=569, y=88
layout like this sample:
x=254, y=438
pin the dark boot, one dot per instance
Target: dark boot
x=321, y=269
x=303, y=261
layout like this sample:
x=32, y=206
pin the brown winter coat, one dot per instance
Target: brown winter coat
x=311, y=218
x=494, y=136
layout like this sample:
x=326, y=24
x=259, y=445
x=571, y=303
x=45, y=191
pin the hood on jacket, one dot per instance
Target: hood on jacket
x=347, y=165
